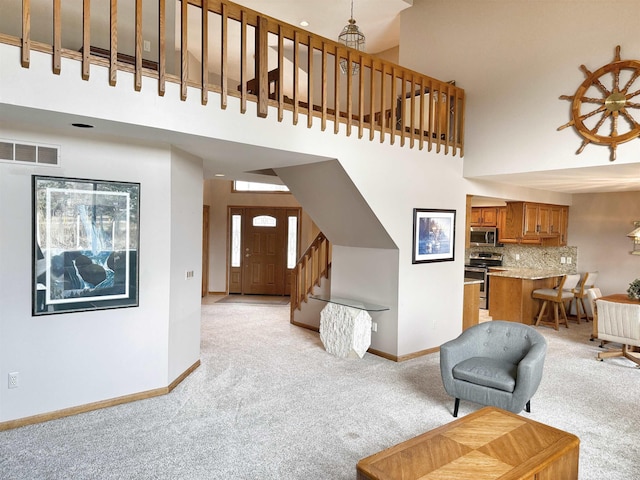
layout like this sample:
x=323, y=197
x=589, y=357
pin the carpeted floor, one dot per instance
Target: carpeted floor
x=268, y=402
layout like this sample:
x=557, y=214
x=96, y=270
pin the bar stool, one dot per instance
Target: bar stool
x=557, y=296
x=580, y=293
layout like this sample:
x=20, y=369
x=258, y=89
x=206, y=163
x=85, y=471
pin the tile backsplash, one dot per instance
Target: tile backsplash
x=529, y=256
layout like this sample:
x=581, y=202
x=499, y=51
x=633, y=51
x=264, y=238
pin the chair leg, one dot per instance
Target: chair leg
x=527, y=407
x=633, y=358
x=584, y=309
x=555, y=315
x=580, y=303
x=578, y=314
x=569, y=309
x=542, y=309
x=564, y=315
x=455, y=407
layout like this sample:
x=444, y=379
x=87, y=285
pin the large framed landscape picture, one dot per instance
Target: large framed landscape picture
x=85, y=244
x=433, y=235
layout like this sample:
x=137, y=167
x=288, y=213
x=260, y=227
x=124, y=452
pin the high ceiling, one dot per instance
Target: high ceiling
x=622, y=177
x=378, y=20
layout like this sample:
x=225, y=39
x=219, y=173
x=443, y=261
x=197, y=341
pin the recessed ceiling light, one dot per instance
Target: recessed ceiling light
x=82, y=125
x=304, y=23
x=218, y=175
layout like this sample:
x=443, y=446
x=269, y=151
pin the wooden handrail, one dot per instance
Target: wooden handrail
x=381, y=96
x=312, y=266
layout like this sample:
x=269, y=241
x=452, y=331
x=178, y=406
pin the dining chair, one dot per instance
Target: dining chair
x=619, y=323
x=580, y=293
x=557, y=297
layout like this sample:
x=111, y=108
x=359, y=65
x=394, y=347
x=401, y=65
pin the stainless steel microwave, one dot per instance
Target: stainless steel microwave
x=483, y=236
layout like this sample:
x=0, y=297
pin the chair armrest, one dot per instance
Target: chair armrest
x=459, y=349
x=530, y=372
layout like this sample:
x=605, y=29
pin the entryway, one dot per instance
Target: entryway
x=264, y=244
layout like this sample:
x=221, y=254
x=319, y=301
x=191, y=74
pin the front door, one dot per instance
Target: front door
x=263, y=249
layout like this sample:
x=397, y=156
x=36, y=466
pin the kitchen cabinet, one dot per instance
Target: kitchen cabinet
x=500, y=224
x=471, y=303
x=562, y=224
x=484, y=216
x=535, y=224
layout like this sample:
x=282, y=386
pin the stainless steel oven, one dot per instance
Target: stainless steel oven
x=477, y=269
x=479, y=273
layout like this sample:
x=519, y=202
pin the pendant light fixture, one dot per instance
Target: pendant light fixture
x=351, y=37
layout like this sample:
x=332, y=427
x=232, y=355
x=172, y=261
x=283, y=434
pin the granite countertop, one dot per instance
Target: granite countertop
x=471, y=281
x=528, y=273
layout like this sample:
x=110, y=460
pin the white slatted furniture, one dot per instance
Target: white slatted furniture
x=619, y=322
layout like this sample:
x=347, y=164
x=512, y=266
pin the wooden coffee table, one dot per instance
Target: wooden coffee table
x=485, y=445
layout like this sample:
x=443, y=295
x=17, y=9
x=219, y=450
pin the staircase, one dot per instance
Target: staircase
x=313, y=265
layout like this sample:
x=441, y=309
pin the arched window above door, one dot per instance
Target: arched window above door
x=264, y=221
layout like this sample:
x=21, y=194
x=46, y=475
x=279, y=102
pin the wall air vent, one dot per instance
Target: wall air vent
x=27, y=153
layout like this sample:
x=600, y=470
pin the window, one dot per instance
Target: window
x=292, y=242
x=264, y=221
x=258, y=187
x=236, y=220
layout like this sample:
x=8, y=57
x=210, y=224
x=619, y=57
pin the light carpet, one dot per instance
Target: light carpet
x=268, y=402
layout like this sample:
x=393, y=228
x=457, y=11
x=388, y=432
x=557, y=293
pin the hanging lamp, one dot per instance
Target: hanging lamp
x=351, y=37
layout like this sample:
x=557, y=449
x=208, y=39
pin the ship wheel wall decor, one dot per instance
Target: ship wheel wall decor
x=602, y=109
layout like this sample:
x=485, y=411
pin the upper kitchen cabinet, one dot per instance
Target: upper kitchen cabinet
x=501, y=223
x=535, y=223
x=484, y=216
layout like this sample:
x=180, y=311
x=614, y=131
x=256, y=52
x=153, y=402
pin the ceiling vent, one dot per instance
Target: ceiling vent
x=29, y=153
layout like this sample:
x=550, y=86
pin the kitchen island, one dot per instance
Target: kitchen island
x=510, y=297
x=471, y=302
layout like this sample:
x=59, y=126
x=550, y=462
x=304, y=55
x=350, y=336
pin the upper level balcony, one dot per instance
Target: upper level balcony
x=233, y=51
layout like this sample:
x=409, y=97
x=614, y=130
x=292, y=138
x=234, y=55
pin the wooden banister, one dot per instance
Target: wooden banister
x=379, y=95
x=312, y=266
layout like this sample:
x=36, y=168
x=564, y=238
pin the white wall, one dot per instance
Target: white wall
x=392, y=179
x=73, y=359
x=514, y=59
x=186, y=256
x=370, y=275
x=598, y=225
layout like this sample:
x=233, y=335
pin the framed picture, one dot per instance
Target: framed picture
x=433, y=235
x=85, y=244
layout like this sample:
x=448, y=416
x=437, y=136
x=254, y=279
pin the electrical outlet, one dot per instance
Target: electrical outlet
x=146, y=45
x=374, y=326
x=517, y=256
x=569, y=260
x=563, y=259
x=13, y=380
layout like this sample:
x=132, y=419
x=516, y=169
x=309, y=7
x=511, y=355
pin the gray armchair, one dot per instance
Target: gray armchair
x=494, y=363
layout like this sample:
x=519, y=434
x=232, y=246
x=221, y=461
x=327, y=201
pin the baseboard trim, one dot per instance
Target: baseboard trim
x=403, y=358
x=182, y=376
x=421, y=353
x=386, y=355
x=304, y=325
x=112, y=402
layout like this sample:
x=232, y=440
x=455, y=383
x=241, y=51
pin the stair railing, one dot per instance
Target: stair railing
x=312, y=266
x=253, y=57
